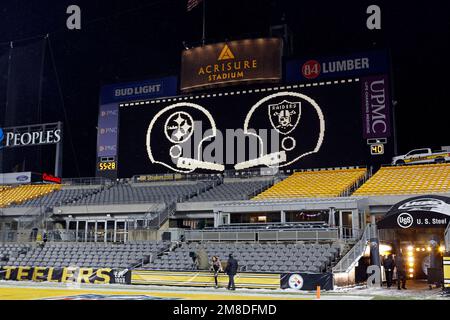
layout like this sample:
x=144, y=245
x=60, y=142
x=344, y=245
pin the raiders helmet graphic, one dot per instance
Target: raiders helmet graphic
x=297, y=119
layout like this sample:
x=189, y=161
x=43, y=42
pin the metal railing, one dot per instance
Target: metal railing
x=86, y=181
x=447, y=238
x=163, y=216
x=354, y=254
x=269, y=225
x=315, y=235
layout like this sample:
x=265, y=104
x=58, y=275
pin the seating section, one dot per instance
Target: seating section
x=63, y=196
x=79, y=254
x=23, y=193
x=417, y=179
x=230, y=191
x=137, y=193
x=254, y=257
x=314, y=184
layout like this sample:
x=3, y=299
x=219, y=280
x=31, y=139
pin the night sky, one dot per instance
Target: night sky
x=134, y=40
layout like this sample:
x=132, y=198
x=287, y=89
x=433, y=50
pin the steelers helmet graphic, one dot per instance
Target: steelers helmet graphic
x=296, y=118
x=185, y=127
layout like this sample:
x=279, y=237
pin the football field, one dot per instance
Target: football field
x=12, y=290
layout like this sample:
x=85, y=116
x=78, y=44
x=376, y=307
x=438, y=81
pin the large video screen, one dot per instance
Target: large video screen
x=314, y=125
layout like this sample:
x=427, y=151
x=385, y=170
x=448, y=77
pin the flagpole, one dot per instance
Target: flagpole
x=204, y=23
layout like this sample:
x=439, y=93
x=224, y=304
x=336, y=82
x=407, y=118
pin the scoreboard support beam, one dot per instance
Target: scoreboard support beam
x=58, y=154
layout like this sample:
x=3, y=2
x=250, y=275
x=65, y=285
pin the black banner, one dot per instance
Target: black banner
x=65, y=275
x=426, y=211
x=306, y=281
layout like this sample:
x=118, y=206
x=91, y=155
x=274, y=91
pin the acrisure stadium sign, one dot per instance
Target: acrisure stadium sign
x=33, y=135
x=251, y=60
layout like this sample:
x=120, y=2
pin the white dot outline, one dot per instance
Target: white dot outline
x=292, y=94
x=170, y=107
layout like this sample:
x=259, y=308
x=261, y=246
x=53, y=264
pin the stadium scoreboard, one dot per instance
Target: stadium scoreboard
x=312, y=125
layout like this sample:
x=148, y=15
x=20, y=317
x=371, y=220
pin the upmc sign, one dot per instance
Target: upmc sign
x=34, y=135
x=354, y=65
x=251, y=60
x=375, y=107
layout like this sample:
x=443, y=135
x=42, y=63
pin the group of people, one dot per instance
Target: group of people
x=200, y=262
x=398, y=263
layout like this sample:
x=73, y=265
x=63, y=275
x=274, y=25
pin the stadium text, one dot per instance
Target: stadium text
x=378, y=104
x=229, y=70
x=137, y=90
x=64, y=275
x=14, y=139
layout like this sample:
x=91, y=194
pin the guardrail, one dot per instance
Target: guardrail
x=330, y=234
x=86, y=181
x=354, y=254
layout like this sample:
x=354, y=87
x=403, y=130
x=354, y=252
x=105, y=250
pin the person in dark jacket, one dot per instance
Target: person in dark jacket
x=231, y=270
x=216, y=267
x=389, y=266
x=400, y=264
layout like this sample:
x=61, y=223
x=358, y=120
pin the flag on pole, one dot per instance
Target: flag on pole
x=191, y=4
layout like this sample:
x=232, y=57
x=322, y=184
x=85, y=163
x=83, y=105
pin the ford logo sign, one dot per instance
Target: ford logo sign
x=22, y=178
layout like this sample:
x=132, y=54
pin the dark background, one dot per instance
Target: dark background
x=132, y=40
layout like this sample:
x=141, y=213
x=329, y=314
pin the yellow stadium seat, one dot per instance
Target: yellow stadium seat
x=16, y=195
x=314, y=184
x=418, y=179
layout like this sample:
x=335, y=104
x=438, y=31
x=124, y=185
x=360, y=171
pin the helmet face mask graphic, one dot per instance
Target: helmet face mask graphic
x=296, y=117
x=180, y=124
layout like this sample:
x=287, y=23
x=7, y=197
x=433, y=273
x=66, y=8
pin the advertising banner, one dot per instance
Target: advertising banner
x=108, y=117
x=446, y=264
x=306, y=281
x=242, y=61
x=375, y=107
x=354, y=65
x=138, y=90
x=426, y=211
x=32, y=135
x=65, y=275
x=15, y=178
x=108, y=120
x=204, y=279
